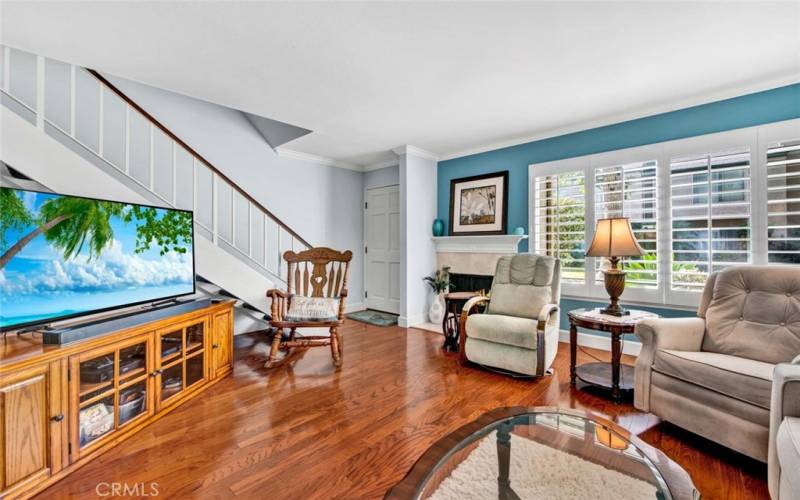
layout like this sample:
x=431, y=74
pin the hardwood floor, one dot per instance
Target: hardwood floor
x=305, y=431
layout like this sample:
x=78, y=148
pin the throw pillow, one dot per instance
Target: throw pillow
x=312, y=309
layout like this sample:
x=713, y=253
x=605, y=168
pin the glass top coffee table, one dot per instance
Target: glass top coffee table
x=543, y=453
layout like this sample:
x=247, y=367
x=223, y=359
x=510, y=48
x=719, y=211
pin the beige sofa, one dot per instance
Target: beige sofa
x=713, y=374
x=784, y=432
x=519, y=331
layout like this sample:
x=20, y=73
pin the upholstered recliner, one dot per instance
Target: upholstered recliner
x=713, y=374
x=519, y=330
x=784, y=432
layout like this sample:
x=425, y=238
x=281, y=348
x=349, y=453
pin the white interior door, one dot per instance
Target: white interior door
x=382, y=247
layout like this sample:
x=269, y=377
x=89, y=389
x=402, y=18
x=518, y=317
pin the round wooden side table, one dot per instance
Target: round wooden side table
x=614, y=376
x=453, y=303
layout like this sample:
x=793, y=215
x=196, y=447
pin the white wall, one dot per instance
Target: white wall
x=417, y=252
x=387, y=176
x=322, y=204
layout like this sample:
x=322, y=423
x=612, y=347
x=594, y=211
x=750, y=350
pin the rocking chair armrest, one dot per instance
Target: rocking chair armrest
x=280, y=303
x=469, y=306
x=275, y=291
x=342, y=297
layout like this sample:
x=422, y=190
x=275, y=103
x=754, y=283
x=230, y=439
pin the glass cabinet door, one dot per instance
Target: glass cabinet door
x=181, y=360
x=112, y=389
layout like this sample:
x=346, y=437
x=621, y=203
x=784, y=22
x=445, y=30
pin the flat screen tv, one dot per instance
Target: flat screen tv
x=66, y=256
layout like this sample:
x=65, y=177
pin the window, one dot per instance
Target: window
x=630, y=191
x=783, y=203
x=559, y=224
x=710, y=196
x=696, y=205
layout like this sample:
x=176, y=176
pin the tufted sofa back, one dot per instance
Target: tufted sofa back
x=524, y=283
x=753, y=312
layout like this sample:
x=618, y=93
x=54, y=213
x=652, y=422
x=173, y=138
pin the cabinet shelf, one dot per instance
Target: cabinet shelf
x=131, y=374
x=90, y=387
x=170, y=357
x=95, y=399
x=133, y=381
x=193, y=346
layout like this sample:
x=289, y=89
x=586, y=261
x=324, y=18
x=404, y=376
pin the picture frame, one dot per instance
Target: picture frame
x=479, y=204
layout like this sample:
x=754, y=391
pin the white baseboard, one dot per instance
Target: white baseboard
x=631, y=347
x=354, y=306
x=409, y=321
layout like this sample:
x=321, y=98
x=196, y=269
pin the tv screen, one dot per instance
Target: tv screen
x=65, y=256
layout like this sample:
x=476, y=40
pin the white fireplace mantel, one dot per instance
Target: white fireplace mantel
x=501, y=243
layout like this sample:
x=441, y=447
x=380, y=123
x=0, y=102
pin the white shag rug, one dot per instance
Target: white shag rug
x=538, y=472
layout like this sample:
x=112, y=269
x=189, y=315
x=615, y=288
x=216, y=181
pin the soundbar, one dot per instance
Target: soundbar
x=108, y=325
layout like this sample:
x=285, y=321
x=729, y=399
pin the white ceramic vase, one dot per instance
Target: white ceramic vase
x=436, y=311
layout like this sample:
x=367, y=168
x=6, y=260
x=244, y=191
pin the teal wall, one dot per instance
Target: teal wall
x=745, y=111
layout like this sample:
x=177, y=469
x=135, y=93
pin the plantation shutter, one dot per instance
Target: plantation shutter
x=559, y=221
x=630, y=191
x=710, y=196
x=783, y=203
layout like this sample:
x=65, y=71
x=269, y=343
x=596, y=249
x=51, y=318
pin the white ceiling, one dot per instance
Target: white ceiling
x=449, y=78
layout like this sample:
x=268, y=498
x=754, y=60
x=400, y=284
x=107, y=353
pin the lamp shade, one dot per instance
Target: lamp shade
x=614, y=238
x=609, y=438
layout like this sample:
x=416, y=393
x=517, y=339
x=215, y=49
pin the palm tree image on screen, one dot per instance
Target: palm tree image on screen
x=74, y=224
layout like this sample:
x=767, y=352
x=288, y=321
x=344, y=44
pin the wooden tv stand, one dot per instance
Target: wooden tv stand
x=63, y=405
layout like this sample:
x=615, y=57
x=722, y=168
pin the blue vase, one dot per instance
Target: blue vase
x=438, y=227
x=520, y=231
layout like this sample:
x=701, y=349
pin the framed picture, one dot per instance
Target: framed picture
x=479, y=204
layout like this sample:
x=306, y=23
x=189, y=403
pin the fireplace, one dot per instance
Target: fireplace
x=460, y=282
x=472, y=259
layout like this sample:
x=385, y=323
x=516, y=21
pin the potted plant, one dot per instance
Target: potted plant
x=439, y=282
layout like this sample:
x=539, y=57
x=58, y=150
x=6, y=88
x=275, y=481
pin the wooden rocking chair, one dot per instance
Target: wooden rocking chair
x=317, y=272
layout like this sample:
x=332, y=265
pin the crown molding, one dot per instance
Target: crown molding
x=706, y=98
x=408, y=149
x=319, y=160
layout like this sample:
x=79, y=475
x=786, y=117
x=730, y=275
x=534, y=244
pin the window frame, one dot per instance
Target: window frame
x=756, y=139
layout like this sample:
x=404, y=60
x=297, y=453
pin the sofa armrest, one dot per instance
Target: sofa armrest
x=785, y=402
x=683, y=334
x=786, y=389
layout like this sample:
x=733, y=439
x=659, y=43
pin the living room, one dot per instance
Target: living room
x=547, y=249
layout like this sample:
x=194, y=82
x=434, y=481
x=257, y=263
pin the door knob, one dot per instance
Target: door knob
x=215, y=346
x=57, y=418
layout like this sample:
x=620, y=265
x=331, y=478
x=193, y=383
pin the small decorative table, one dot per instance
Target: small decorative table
x=453, y=303
x=614, y=375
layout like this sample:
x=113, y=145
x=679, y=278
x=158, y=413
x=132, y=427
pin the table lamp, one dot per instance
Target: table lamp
x=609, y=438
x=613, y=238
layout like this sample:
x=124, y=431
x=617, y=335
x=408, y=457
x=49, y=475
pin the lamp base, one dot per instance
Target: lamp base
x=615, y=285
x=618, y=311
